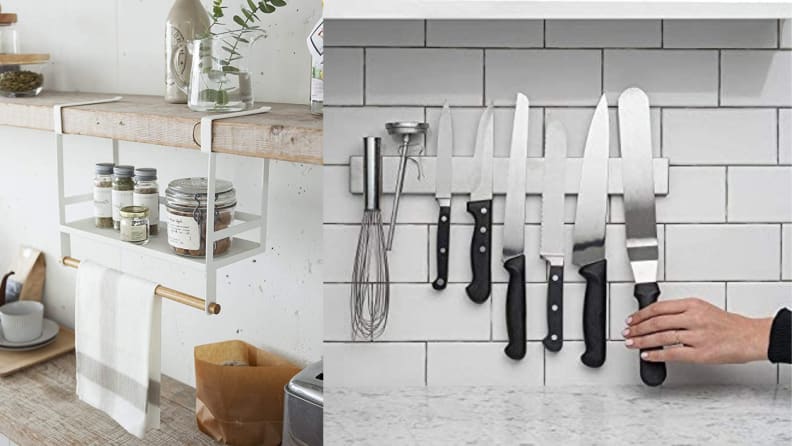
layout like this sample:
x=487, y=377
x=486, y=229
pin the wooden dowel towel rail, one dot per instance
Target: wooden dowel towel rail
x=164, y=292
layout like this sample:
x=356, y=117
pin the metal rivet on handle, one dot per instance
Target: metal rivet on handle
x=554, y=307
x=554, y=337
x=483, y=210
x=442, y=250
x=555, y=278
x=483, y=230
x=444, y=219
x=483, y=249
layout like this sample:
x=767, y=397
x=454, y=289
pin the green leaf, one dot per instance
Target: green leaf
x=252, y=5
x=231, y=50
x=240, y=21
x=217, y=12
x=243, y=40
x=266, y=8
x=222, y=97
x=208, y=95
x=230, y=69
x=278, y=3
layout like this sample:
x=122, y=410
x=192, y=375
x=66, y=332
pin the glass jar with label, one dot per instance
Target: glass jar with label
x=146, y=194
x=134, y=224
x=123, y=187
x=103, y=195
x=186, y=201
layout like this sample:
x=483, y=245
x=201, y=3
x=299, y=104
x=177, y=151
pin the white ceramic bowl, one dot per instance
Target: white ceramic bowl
x=22, y=321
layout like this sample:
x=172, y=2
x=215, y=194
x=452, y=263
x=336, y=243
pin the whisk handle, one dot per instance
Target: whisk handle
x=480, y=250
x=443, y=241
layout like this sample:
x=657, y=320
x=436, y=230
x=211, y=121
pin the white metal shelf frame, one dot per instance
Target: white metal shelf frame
x=209, y=264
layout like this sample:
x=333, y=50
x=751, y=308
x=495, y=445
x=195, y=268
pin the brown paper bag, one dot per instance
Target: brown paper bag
x=239, y=393
x=30, y=270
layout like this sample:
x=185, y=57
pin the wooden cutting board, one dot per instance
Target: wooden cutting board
x=12, y=362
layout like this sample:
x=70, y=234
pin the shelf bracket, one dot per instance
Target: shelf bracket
x=207, y=139
x=63, y=201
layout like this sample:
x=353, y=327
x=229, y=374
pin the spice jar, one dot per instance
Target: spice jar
x=134, y=224
x=186, y=201
x=146, y=194
x=103, y=195
x=123, y=187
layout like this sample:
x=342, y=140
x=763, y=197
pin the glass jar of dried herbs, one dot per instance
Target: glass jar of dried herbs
x=134, y=225
x=146, y=194
x=187, y=202
x=123, y=187
x=103, y=195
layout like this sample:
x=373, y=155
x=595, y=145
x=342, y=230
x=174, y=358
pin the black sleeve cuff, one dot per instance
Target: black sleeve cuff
x=780, y=349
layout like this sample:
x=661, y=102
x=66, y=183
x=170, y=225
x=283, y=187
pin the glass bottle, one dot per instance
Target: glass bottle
x=123, y=187
x=134, y=225
x=146, y=194
x=103, y=195
x=186, y=21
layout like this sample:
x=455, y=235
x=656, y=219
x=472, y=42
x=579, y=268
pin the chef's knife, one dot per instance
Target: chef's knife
x=552, y=244
x=480, y=206
x=514, y=232
x=589, y=234
x=639, y=208
x=445, y=143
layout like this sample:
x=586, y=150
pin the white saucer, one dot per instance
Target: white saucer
x=49, y=332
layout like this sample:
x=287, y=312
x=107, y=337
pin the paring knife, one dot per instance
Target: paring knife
x=639, y=208
x=480, y=206
x=514, y=232
x=445, y=144
x=589, y=234
x=552, y=247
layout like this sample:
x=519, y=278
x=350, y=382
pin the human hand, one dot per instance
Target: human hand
x=697, y=331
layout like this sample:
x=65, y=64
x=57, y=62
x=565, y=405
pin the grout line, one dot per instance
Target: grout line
x=662, y=33
x=602, y=72
x=544, y=33
x=484, y=78
x=564, y=48
x=778, y=136
x=364, y=76
x=781, y=252
x=426, y=363
x=720, y=78
x=426, y=32
x=778, y=33
x=587, y=106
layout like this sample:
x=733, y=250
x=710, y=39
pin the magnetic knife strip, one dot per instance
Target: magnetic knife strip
x=463, y=171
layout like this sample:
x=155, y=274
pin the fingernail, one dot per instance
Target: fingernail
x=629, y=342
x=628, y=320
x=644, y=355
x=626, y=331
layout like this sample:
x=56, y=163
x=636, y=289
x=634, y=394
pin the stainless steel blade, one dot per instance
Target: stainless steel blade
x=445, y=144
x=552, y=245
x=514, y=218
x=481, y=181
x=637, y=174
x=592, y=200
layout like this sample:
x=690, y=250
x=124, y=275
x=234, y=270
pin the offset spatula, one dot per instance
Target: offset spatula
x=445, y=144
x=589, y=234
x=514, y=232
x=639, y=208
x=480, y=206
x=552, y=248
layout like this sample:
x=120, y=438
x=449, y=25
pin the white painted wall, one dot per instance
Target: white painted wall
x=271, y=301
x=721, y=96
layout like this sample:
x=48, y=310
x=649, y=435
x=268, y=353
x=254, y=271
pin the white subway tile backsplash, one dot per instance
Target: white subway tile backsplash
x=623, y=303
x=760, y=194
x=755, y=373
x=758, y=300
x=696, y=195
x=603, y=33
x=407, y=260
x=379, y=365
x=547, y=77
x=786, y=261
x=722, y=252
x=417, y=312
x=475, y=363
x=669, y=77
x=576, y=121
x=720, y=136
x=720, y=33
x=565, y=369
x=345, y=127
x=424, y=76
x=484, y=33
x=785, y=40
x=785, y=136
x=339, y=206
x=369, y=33
x=343, y=76
x=756, y=78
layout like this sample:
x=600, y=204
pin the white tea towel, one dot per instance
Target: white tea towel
x=117, y=338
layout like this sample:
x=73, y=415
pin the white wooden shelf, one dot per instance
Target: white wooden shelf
x=557, y=9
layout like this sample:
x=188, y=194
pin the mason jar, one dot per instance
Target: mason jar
x=186, y=201
x=146, y=194
x=123, y=187
x=134, y=224
x=103, y=195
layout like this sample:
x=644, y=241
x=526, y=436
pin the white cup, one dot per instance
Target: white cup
x=22, y=321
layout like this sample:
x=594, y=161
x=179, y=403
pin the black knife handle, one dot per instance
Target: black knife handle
x=443, y=237
x=480, y=251
x=515, y=308
x=555, y=310
x=594, y=313
x=652, y=373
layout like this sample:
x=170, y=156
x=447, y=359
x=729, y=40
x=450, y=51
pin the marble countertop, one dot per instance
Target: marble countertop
x=722, y=415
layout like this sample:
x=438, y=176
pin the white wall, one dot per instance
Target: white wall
x=271, y=301
x=721, y=95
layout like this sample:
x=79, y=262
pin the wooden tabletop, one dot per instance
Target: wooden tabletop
x=39, y=407
x=289, y=132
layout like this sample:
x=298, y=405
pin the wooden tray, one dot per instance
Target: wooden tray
x=12, y=362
